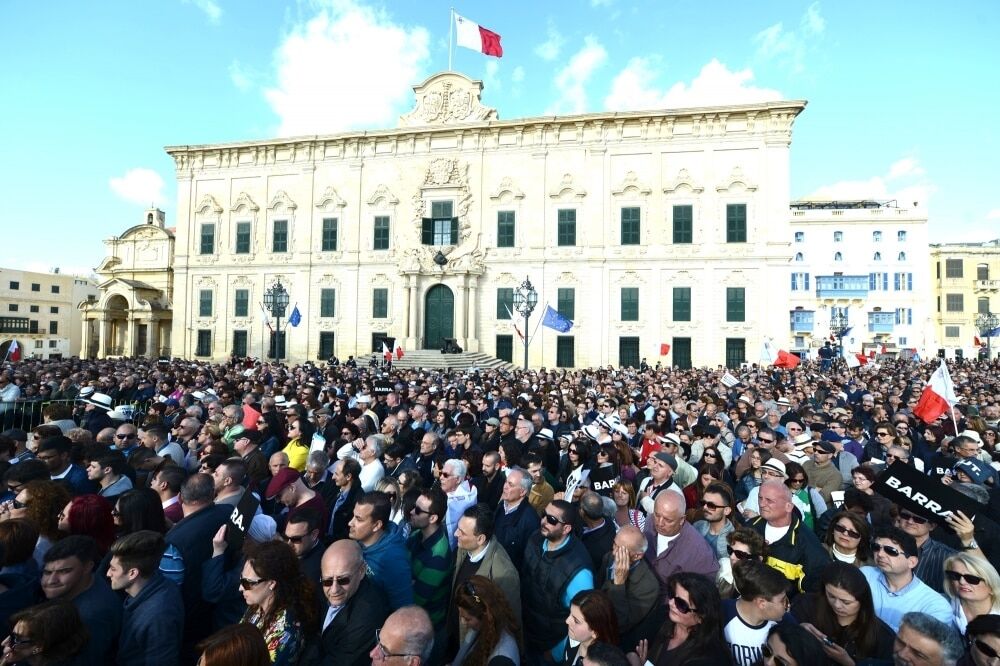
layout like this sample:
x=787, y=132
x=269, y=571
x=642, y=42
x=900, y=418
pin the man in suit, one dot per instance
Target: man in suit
x=515, y=519
x=356, y=609
x=347, y=477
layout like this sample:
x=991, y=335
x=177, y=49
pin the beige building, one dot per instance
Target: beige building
x=133, y=314
x=966, y=284
x=642, y=228
x=39, y=310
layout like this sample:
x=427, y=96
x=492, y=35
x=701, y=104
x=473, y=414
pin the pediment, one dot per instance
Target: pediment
x=281, y=200
x=447, y=98
x=244, y=200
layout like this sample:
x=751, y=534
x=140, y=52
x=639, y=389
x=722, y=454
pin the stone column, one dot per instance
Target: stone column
x=85, y=338
x=152, y=338
x=473, y=340
x=414, y=334
x=102, y=336
x=406, y=309
x=130, y=335
x=460, y=311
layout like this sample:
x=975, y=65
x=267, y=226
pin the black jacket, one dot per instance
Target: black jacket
x=351, y=635
x=337, y=529
x=513, y=530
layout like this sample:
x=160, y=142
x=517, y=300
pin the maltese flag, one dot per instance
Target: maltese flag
x=937, y=397
x=476, y=37
x=386, y=354
x=14, y=351
x=397, y=349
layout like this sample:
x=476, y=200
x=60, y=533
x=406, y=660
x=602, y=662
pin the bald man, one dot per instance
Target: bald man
x=792, y=548
x=356, y=608
x=407, y=635
x=629, y=582
x=673, y=545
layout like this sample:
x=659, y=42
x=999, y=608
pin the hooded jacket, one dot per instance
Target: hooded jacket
x=388, y=564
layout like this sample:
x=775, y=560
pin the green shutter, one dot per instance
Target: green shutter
x=682, y=304
x=505, y=297
x=454, y=231
x=566, y=302
x=630, y=304
x=735, y=304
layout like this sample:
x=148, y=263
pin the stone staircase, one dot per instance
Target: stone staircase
x=429, y=358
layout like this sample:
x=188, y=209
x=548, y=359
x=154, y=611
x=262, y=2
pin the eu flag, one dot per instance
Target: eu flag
x=296, y=317
x=556, y=321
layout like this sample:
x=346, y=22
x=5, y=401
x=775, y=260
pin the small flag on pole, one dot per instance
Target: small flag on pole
x=664, y=349
x=264, y=319
x=14, y=351
x=386, y=354
x=511, y=315
x=296, y=317
x=556, y=321
x=476, y=37
x=397, y=349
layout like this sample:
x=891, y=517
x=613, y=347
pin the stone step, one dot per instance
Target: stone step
x=428, y=358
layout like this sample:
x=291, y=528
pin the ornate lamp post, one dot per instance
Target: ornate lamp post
x=525, y=300
x=276, y=301
x=838, y=326
x=986, y=322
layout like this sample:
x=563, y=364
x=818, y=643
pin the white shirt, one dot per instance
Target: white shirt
x=371, y=474
x=459, y=500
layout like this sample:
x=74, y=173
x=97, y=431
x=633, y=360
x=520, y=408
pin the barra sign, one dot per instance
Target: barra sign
x=924, y=495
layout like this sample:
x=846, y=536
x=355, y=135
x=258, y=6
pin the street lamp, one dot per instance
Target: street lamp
x=838, y=325
x=986, y=322
x=525, y=300
x=276, y=300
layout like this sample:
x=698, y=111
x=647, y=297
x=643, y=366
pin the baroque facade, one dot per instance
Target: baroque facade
x=641, y=227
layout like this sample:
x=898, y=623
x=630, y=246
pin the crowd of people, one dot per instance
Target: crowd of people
x=170, y=512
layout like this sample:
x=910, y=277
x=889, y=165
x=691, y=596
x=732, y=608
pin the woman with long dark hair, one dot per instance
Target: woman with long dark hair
x=300, y=435
x=90, y=515
x=791, y=645
x=47, y=634
x=272, y=431
x=235, y=645
x=279, y=600
x=843, y=612
x=491, y=635
x=691, y=634
x=591, y=620
x=139, y=509
x=848, y=539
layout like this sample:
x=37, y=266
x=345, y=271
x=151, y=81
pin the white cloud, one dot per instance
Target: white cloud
x=914, y=194
x=993, y=214
x=491, y=79
x=635, y=88
x=552, y=46
x=347, y=66
x=241, y=76
x=517, y=75
x=789, y=47
x=601, y=3
x=139, y=186
x=571, y=81
x=210, y=8
x=907, y=166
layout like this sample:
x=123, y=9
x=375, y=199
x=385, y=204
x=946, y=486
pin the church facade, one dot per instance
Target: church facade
x=643, y=228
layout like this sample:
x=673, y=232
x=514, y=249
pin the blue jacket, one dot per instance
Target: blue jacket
x=389, y=567
x=513, y=530
x=152, y=626
x=101, y=610
x=77, y=481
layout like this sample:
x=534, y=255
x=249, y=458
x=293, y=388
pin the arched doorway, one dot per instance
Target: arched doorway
x=439, y=316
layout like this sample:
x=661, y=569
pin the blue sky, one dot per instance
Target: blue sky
x=902, y=95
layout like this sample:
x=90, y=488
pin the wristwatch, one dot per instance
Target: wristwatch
x=972, y=545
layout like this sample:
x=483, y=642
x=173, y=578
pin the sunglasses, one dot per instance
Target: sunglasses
x=883, y=434
x=980, y=645
x=682, y=606
x=765, y=441
x=740, y=554
x=916, y=520
x=712, y=506
x=954, y=577
x=768, y=653
x=552, y=520
x=797, y=479
x=710, y=455
x=17, y=504
x=14, y=640
x=292, y=539
x=888, y=550
x=847, y=531
x=342, y=581
x=250, y=583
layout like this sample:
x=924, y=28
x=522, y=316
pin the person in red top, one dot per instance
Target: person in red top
x=288, y=488
x=650, y=442
x=250, y=412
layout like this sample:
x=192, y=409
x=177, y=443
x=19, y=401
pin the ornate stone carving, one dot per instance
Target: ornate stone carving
x=446, y=171
x=282, y=200
x=566, y=189
x=507, y=186
x=208, y=205
x=445, y=99
x=632, y=185
x=683, y=180
x=206, y=281
x=330, y=197
x=567, y=277
x=243, y=281
x=384, y=194
x=242, y=200
x=630, y=277
x=736, y=179
x=451, y=174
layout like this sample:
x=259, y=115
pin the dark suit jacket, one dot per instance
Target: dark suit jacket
x=513, y=530
x=338, y=523
x=351, y=635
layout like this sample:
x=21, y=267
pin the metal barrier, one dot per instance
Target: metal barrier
x=27, y=414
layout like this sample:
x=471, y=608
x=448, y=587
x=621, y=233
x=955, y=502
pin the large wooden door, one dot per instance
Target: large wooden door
x=439, y=316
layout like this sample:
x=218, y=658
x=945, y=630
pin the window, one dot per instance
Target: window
x=681, y=350
x=955, y=302
x=327, y=302
x=440, y=228
x=378, y=337
x=736, y=352
x=35, y=286
x=207, y=242
x=33, y=308
x=328, y=242
x=241, y=305
x=628, y=352
x=326, y=348
x=982, y=272
x=878, y=282
x=630, y=304
x=33, y=326
x=800, y=281
x=54, y=309
x=380, y=231
x=983, y=305
x=380, y=303
x=243, y=237
x=682, y=304
x=505, y=228
x=565, y=351
x=566, y=227
x=55, y=289
x=736, y=304
x=505, y=348
x=951, y=331
x=901, y=236
x=799, y=256
x=902, y=341
x=279, y=237
x=953, y=268
x=838, y=236
x=902, y=281
x=800, y=236
x=876, y=236
x=53, y=344
x=879, y=321
x=505, y=303
x=630, y=226
x=683, y=225
x=837, y=256
x=736, y=223
x=901, y=256
x=904, y=316
x=566, y=302
x=239, y=343
x=276, y=345
x=204, y=345
x=205, y=303
x=39, y=344
x=877, y=256
x=15, y=285
x=12, y=307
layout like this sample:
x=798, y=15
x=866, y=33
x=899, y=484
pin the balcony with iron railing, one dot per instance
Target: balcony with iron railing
x=987, y=285
x=842, y=286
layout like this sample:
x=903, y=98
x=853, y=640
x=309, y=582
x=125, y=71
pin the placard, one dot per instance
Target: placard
x=239, y=520
x=382, y=388
x=923, y=495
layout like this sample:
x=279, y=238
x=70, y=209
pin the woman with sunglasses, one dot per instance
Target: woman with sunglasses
x=50, y=633
x=790, y=645
x=390, y=488
x=591, y=620
x=973, y=586
x=280, y=601
x=691, y=634
x=742, y=544
x=300, y=435
x=491, y=634
x=842, y=616
x=90, y=515
x=272, y=432
x=572, y=466
x=708, y=473
x=40, y=503
x=848, y=539
x=806, y=498
x=754, y=476
x=983, y=640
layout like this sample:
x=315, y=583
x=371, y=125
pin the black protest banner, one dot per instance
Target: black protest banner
x=382, y=388
x=923, y=495
x=239, y=521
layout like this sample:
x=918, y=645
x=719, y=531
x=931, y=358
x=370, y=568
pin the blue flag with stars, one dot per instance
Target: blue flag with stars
x=296, y=317
x=556, y=321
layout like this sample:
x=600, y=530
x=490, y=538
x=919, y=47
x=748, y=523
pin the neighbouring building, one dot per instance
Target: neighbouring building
x=966, y=292
x=859, y=267
x=646, y=227
x=40, y=311
x=133, y=314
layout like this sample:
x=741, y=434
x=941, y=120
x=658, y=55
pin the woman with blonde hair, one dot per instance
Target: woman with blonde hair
x=626, y=506
x=390, y=488
x=973, y=586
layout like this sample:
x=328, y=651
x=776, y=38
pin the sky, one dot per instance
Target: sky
x=902, y=96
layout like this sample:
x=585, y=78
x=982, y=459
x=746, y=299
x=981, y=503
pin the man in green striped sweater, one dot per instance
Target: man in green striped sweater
x=431, y=558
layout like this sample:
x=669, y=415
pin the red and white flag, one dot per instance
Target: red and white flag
x=386, y=354
x=14, y=351
x=976, y=341
x=264, y=319
x=664, y=349
x=786, y=360
x=397, y=349
x=938, y=397
x=476, y=37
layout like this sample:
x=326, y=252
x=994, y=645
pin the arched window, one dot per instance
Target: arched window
x=800, y=236
x=901, y=236
x=838, y=236
x=901, y=257
x=876, y=236
x=838, y=256
x=799, y=257
x=877, y=256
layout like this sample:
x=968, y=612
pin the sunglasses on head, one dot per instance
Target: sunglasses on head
x=681, y=605
x=740, y=554
x=916, y=520
x=954, y=576
x=888, y=550
x=470, y=590
x=847, y=531
x=981, y=646
x=342, y=581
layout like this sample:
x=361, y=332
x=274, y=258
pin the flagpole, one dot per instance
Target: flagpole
x=451, y=31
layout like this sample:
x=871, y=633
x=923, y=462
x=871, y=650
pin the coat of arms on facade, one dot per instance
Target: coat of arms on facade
x=447, y=98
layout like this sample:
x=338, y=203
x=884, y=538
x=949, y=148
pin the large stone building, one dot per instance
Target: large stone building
x=642, y=227
x=966, y=285
x=867, y=262
x=40, y=311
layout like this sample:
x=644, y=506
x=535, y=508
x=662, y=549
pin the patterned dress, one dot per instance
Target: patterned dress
x=283, y=635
